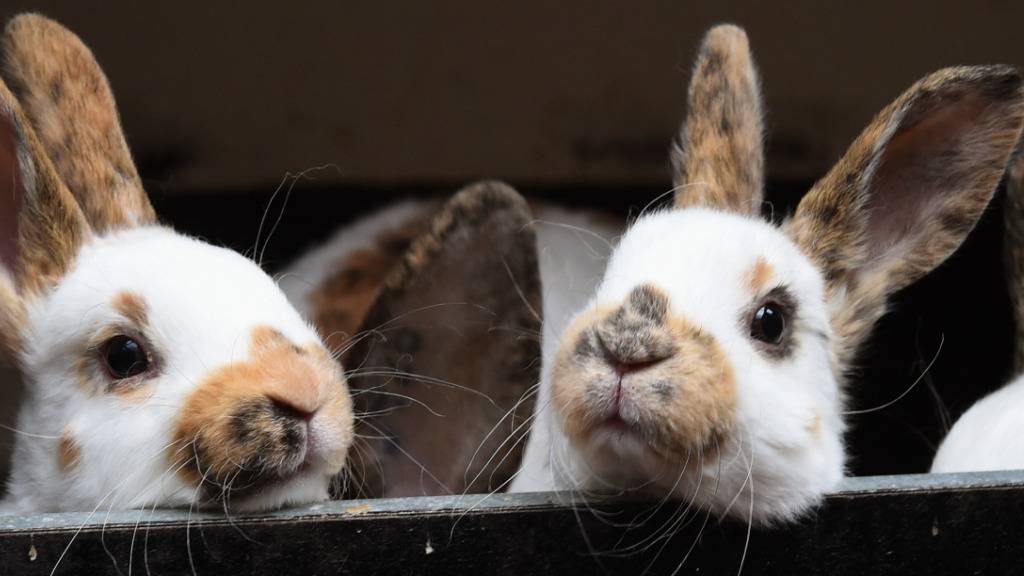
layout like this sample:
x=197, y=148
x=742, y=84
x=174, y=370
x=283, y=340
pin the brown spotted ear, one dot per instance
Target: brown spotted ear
x=452, y=349
x=1013, y=250
x=909, y=189
x=41, y=226
x=718, y=160
x=69, y=103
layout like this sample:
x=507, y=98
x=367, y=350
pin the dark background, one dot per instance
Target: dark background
x=575, y=102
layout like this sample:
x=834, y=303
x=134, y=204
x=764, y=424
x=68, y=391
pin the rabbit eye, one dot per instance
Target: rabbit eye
x=768, y=323
x=124, y=357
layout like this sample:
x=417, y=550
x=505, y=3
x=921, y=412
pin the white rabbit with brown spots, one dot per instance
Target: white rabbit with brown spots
x=159, y=370
x=708, y=362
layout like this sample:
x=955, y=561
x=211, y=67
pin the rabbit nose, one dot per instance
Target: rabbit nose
x=627, y=367
x=629, y=354
x=290, y=411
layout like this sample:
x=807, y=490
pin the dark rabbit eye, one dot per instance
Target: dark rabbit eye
x=124, y=357
x=768, y=323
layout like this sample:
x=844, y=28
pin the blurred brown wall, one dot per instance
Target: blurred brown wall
x=214, y=94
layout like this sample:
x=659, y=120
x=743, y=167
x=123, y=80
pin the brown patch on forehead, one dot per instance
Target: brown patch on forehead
x=237, y=415
x=759, y=275
x=342, y=301
x=649, y=302
x=133, y=307
x=68, y=451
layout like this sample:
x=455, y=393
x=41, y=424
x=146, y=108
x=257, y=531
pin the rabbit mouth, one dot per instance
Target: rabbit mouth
x=250, y=480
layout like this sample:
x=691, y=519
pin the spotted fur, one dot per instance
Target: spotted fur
x=659, y=382
x=248, y=425
x=674, y=380
x=908, y=191
x=718, y=160
x=82, y=262
x=450, y=348
x=341, y=302
x=71, y=107
x=46, y=226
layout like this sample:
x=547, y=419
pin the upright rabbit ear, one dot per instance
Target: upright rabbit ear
x=444, y=388
x=718, y=160
x=909, y=189
x=68, y=101
x=41, y=227
x=1013, y=250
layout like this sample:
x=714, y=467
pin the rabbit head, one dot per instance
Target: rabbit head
x=160, y=370
x=710, y=362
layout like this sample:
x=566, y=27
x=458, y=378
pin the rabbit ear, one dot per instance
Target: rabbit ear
x=1013, y=246
x=909, y=189
x=457, y=351
x=69, y=103
x=41, y=226
x=718, y=160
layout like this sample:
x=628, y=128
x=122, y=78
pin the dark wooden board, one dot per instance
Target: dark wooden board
x=936, y=525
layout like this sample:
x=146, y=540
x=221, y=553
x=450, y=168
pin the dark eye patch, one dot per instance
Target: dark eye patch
x=770, y=322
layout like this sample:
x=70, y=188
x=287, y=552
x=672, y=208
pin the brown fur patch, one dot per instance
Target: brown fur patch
x=240, y=415
x=908, y=190
x=718, y=160
x=759, y=275
x=341, y=302
x=133, y=307
x=815, y=426
x=50, y=227
x=684, y=403
x=459, y=312
x=69, y=103
x=68, y=451
x=12, y=320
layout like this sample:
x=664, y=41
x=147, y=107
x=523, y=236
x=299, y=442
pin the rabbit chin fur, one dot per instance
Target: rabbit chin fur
x=94, y=448
x=781, y=447
x=988, y=436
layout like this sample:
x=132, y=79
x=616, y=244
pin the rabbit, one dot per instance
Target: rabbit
x=990, y=435
x=707, y=364
x=159, y=370
x=434, y=305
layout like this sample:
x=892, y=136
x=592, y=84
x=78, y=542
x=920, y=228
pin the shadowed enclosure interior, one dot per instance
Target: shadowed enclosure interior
x=575, y=103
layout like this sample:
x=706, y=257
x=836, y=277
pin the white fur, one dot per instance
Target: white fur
x=700, y=257
x=572, y=251
x=203, y=303
x=989, y=436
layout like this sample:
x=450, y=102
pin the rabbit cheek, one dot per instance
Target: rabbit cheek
x=691, y=397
